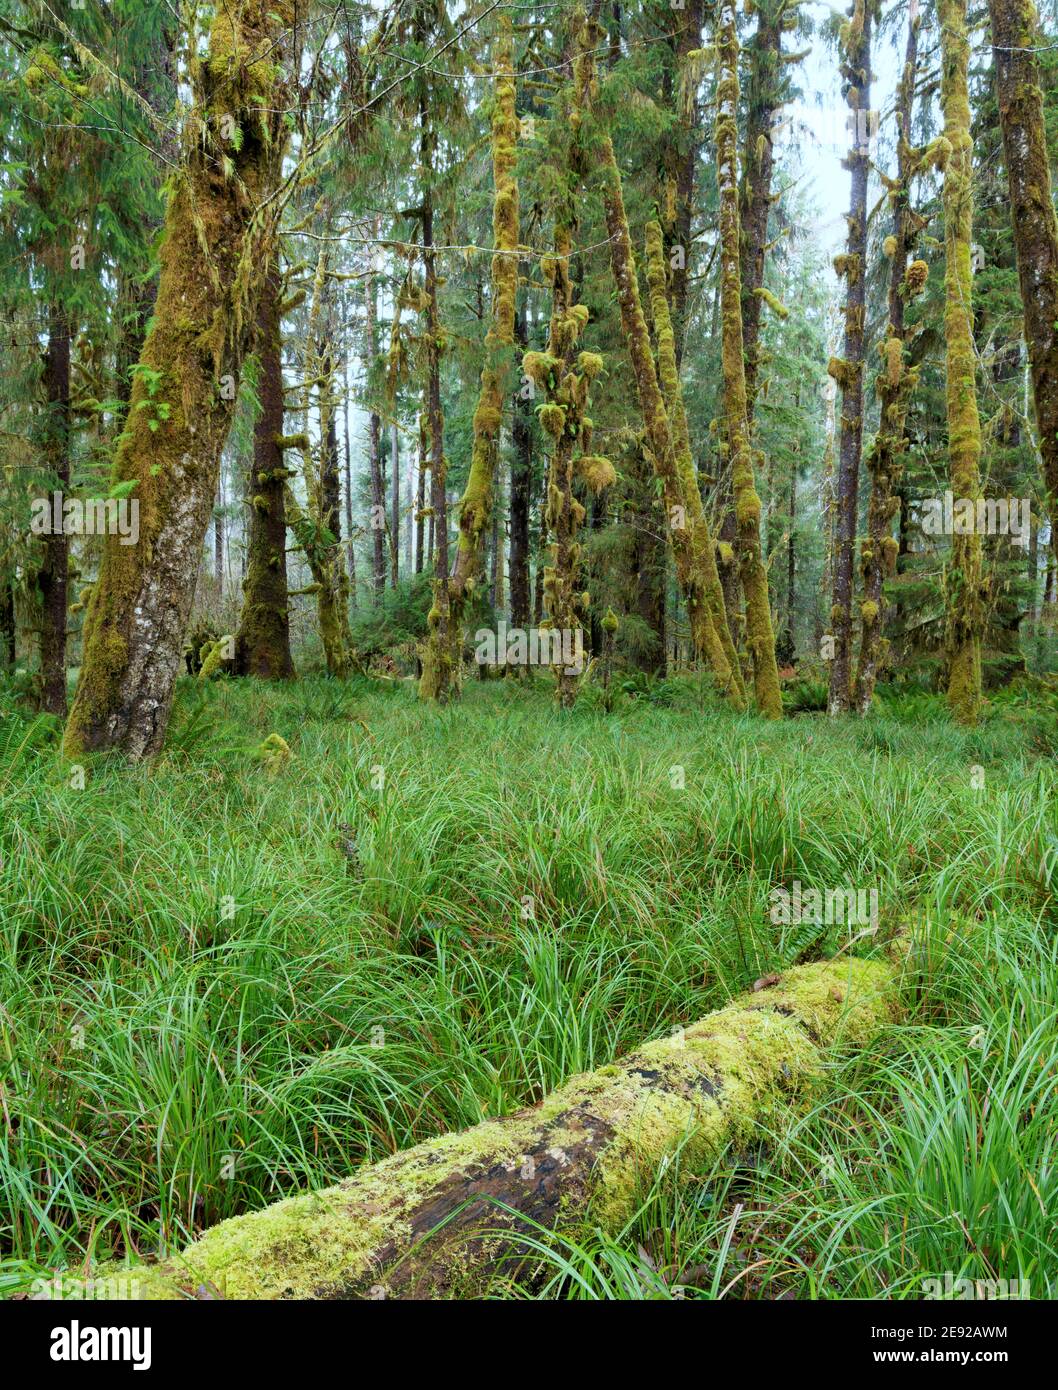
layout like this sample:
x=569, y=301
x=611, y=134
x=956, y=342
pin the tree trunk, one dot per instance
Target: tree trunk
x=681, y=157
x=219, y=229
x=848, y=371
x=649, y=561
x=447, y=1218
x=687, y=528
x=885, y=460
x=218, y=535
x=262, y=643
x=349, y=545
x=964, y=584
x=763, y=92
x=521, y=492
x=8, y=629
x=374, y=452
x=760, y=639
x=441, y=669
x=420, y=498
x=1015, y=34
x=52, y=578
x=394, y=539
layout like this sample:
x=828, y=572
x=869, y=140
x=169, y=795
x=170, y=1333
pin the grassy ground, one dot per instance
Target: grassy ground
x=225, y=977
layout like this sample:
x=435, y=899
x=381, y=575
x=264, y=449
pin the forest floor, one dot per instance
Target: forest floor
x=232, y=974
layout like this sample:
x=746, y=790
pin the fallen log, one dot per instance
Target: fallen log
x=443, y=1219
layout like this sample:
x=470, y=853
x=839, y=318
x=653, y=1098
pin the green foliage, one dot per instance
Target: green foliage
x=189, y=971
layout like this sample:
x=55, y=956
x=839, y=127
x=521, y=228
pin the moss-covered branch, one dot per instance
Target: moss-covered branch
x=443, y=1219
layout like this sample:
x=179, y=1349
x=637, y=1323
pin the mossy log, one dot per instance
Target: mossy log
x=444, y=1219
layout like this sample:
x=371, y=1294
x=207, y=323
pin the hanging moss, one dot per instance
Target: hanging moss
x=598, y=472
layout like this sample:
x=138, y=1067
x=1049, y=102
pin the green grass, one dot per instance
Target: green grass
x=219, y=984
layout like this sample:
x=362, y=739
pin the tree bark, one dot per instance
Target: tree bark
x=374, y=452
x=441, y=669
x=521, y=492
x=760, y=639
x=394, y=540
x=219, y=230
x=1015, y=33
x=262, y=643
x=755, y=199
x=848, y=371
x=53, y=576
x=964, y=584
x=885, y=460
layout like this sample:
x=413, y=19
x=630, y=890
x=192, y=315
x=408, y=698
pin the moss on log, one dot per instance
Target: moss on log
x=443, y=1219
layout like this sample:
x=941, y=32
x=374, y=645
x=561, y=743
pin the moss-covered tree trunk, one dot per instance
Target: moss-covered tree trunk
x=1015, y=35
x=219, y=230
x=680, y=158
x=374, y=451
x=964, y=584
x=764, y=93
x=760, y=639
x=689, y=537
x=441, y=670
x=521, y=492
x=438, y=653
x=262, y=643
x=672, y=391
x=885, y=460
x=53, y=575
x=394, y=492
x=448, y=1218
x=847, y=370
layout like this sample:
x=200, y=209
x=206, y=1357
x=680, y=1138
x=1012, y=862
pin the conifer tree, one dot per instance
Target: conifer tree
x=964, y=583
